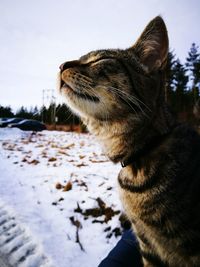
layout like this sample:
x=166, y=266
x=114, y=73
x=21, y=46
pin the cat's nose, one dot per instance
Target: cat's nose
x=69, y=64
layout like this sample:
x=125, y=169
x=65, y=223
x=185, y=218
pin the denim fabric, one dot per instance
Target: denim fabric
x=124, y=254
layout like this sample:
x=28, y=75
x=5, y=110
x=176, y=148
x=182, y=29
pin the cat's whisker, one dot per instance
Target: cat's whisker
x=91, y=89
x=122, y=95
x=86, y=80
x=106, y=113
x=134, y=99
x=126, y=98
x=69, y=115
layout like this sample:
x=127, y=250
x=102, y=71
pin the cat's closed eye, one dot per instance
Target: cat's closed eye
x=101, y=61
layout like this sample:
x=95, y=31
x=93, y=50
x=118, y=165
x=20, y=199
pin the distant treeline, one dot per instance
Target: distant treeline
x=181, y=93
x=59, y=114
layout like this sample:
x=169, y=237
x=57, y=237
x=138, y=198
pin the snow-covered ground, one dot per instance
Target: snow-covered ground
x=64, y=190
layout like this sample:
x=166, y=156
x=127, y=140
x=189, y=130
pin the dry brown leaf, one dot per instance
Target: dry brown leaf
x=24, y=160
x=58, y=186
x=52, y=159
x=81, y=165
x=63, y=152
x=67, y=187
x=69, y=146
x=34, y=162
x=98, y=161
x=38, y=146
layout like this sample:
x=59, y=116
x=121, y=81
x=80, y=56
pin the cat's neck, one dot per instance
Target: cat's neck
x=127, y=137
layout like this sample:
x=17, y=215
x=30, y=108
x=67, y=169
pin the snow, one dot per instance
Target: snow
x=18, y=246
x=34, y=166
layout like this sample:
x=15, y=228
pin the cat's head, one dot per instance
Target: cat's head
x=111, y=84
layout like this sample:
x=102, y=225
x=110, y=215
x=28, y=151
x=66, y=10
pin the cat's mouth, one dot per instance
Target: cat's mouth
x=69, y=90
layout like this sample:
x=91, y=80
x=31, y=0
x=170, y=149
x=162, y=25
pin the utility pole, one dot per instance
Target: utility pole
x=43, y=105
x=49, y=99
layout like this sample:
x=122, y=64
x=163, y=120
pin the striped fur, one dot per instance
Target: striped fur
x=119, y=94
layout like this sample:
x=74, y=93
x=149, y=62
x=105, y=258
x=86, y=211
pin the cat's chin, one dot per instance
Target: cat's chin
x=83, y=106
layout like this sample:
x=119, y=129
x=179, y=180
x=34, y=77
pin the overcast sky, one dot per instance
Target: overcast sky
x=36, y=36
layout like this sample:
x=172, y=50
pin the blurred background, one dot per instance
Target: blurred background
x=37, y=36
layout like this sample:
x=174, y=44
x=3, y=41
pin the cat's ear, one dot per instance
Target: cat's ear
x=152, y=46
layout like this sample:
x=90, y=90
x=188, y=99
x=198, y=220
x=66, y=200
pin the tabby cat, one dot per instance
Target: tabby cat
x=119, y=94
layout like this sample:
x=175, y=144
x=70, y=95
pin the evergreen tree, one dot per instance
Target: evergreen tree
x=193, y=67
x=32, y=113
x=180, y=86
x=52, y=113
x=23, y=113
x=65, y=116
x=43, y=112
x=6, y=112
x=170, y=76
x=36, y=115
